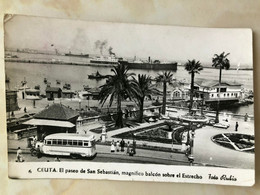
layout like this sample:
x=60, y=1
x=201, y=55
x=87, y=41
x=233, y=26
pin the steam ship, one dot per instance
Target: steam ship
x=137, y=64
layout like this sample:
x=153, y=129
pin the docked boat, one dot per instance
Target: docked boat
x=58, y=82
x=97, y=75
x=45, y=80
x=106, y=60
x=86, y=87
x=37, y=87
x=77, y=55
x=67, y=86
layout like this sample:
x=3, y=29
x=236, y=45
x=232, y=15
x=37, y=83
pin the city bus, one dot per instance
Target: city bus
x=69, y=144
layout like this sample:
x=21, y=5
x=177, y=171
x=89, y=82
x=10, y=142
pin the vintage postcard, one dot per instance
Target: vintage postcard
x=117, y=101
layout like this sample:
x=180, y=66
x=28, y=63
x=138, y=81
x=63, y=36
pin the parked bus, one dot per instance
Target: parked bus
x=69, y=144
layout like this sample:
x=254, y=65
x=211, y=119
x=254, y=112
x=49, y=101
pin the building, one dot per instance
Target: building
x=56, y=118
x=67, y=94
x=11, y=101
x=32, y=94
x=94, y=93
x=211, y=91
x=53, y=92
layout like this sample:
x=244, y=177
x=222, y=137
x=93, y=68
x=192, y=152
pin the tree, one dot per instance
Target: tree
x=119, y=87
x=165, y=78
x=144, y=89
x=193, y=67
x=221, y=62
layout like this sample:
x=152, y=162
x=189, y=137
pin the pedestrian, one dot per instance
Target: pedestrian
x=126, y=113
x=117, y=146
x=236, y=126
x=25, y=110
x=19, y=155
x=34, y=141
x=57, y=159
x=112, y=146
x=246, y=117
x=128, y=147
x=134, y=146
x=38, y=151
x=122, y=145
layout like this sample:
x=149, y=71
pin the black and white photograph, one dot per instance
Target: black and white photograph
x=124, y=101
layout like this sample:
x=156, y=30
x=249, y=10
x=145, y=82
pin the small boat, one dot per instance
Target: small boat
x=24, y=82
x=45, y=80
x=58, y=82
x=86, y=87
x=97, y=75
x=67, y=86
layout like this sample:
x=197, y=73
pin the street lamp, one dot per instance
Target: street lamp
x=191, y=144
x=79, y=104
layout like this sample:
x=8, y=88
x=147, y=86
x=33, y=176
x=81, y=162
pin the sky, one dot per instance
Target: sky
x=128, y=40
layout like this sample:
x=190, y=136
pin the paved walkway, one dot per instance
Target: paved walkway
x=206, y=151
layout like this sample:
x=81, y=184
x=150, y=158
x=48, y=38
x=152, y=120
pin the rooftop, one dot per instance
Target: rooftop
x=57, y=112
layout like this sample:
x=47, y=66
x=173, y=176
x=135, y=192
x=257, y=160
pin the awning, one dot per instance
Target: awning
x=54, y=123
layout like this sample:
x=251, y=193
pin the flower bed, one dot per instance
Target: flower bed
x=238, y=142
x=155, y=134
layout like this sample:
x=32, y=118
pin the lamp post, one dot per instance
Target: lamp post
x=79, y=104
x=191, y=144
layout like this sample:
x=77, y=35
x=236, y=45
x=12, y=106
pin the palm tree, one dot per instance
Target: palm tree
x=193, y=67
x=143, y=88
x=119, y=87
x=221, y=62
x=164, y=78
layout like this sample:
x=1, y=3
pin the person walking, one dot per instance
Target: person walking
x=19, y=155
x=112, y=149
x=246, y=117
x=117, y=146
x=134, y=146
x=128, y=147
x=38, y=151
x=236, y=126
x=122, y=145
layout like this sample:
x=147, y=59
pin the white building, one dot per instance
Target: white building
x=211, y=90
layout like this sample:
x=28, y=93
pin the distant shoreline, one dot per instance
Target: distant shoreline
x=210, y=67
x=88, y=64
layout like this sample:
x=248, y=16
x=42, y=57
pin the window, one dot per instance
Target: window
x=48, y=142
x=70, y=142
x=212, y=95
x=224, y=95
x=228, y=94
x=85, y=143
x=223, y=89
x=59, y=142
x=80, y=143
x=65, y=142
x=54, y=142
x=75, y=142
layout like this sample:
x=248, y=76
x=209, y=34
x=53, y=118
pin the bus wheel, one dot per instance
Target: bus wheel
x=74, y=156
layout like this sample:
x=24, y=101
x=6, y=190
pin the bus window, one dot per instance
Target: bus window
x=85, y=143
x=75, y=142
x=59, y=142
x=54, y=142
x=80, y=143
x=65, y=142
x=70, y=142
x=48, y=142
